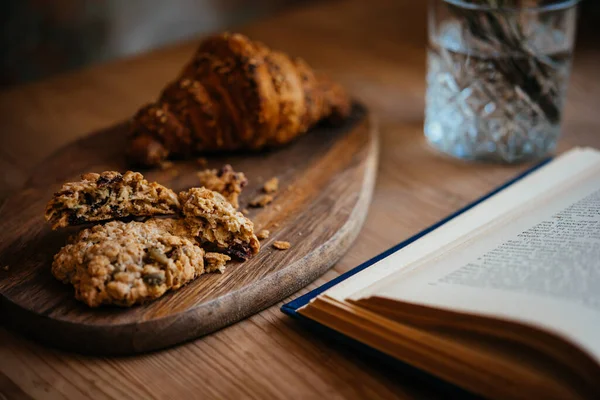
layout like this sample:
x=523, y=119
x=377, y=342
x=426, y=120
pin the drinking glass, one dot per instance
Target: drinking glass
x=497, y=74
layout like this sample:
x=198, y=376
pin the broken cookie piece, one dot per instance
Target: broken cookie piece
x=263, y=234
x=109, y=195
x=215, y=262
x=215, y=224
x=271, y=186
x=281, y=245
x=261, y=200
x=225, y=181
x=127, y=263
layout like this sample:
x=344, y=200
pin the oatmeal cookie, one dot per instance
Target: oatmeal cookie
x=225, y=181
x=215, y=224
x=127, y=263
x=109, y=195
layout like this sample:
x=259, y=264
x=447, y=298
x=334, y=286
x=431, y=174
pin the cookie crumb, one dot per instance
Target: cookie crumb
x=275, y=224
x=166, y=165
x=261, y=200
x=202, y=162
x=6, y=267
x=245, y=211
x=281, y=245
x=277, y=207
x=263, y=234
x=215, y=262
x=271, y=186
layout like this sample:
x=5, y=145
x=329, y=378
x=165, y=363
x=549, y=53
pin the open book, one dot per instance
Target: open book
x=502, y=300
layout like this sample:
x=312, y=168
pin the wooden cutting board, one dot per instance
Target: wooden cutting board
x=326, y=181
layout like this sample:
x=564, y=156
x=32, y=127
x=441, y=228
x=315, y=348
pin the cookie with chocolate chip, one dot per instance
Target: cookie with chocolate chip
x=107, y=196
x=213, y=222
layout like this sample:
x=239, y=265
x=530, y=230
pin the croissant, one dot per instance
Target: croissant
x=234, y=94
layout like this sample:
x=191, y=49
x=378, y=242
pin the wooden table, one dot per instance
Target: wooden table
x=377, y=50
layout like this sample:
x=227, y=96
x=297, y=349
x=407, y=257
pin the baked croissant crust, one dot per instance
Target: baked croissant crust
x=234, y=94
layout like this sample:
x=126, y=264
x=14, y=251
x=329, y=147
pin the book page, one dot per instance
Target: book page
x=541, y=266
x=557, y=173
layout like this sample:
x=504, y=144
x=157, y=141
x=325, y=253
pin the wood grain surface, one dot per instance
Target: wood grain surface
x=377, y=50
x=326, y=181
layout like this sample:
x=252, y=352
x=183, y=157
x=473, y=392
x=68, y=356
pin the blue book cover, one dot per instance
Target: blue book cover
x=292, y=307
